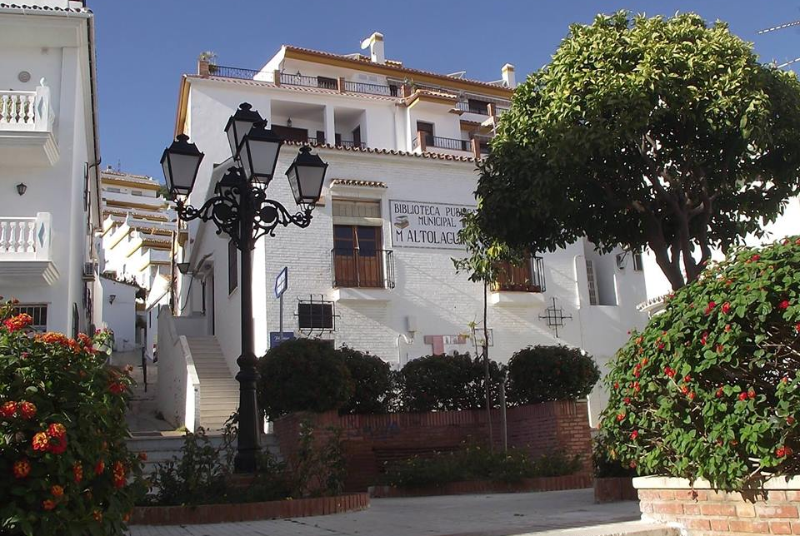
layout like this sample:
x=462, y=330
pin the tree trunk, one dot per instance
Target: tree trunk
x=486, y=374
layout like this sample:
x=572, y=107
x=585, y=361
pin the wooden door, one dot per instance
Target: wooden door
x=357, y=256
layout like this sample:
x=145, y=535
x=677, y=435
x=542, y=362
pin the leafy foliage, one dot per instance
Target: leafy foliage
x=303, y=375
x=373, y=382
x=446, y=382
x=542, y=373
x=319, y=466
x=645, y=132
x=710, y=389
x=477, y=463
x=63, y=455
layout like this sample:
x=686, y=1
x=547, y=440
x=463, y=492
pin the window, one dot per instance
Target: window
x=321, y=137
x=137, y=193
x=638, y=266
x=591, y=280
x=357, y=137
x=525, y=277
x=291, y=134
x=113, y=190
x=478, y=107
x=233, y=267
x=315, y=316
x=427, y=130
x=357, y=256
x=327, y=83
x=37, y=311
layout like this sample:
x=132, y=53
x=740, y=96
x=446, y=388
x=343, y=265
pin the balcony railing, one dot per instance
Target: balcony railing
x=370, y=89
x=362, y=268
x=442, y=143
x=232, y=72
x=26, y=110
x=472, y=108
x=25, y=250
x=526, y=277
x=341, y=143
x=305, y=81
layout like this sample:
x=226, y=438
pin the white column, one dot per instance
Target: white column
x=330, y=127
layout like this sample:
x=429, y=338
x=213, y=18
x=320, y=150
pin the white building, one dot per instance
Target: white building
x=49, y=207
x=374, y=270
x=137, y=235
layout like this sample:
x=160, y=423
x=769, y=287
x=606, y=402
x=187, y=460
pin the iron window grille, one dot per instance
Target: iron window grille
x=38, y=312
x=316, y=315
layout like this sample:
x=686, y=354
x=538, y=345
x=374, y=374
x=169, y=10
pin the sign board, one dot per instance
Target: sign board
x=275, y=338
x=282, y=282
x=416, y=224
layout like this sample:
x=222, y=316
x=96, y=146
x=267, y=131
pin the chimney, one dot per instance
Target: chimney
x=375, y=44
x=509, y=78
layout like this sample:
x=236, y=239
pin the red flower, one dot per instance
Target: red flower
x=727, y=328
x=58, y=445
x=742, y=396
x=57, y=491
x=57, y=430
x=797, y=327
x=97, y=515
x=620, y=416
x=685, y=389
x=616, y=385
x=143, y=456
x=785, y=379
x=780, y=452
x=710, y=307
x=40, y=441
x=634, y=434
x=751, y=394
x=726, y=307
x=99, y=467
x=756, y=257
x=48, y=504
x=784, y=305
x=22, y=468
x=720, y=392
x=687, y=378
x=117, y=388
x=704, y=338
x=632, y=465
x=720, y=348
x=691, y=395
x=669, y=372
x=9, y=409
x=627, y=400
x=636, y=387
x=27, y=410
x=790, y=420
x=16, y=323
x=644, y=361
x=77, y=473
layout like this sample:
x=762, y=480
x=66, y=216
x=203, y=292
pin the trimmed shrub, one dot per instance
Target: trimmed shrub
x=477, y=463
x=303, y=375
x=65, y=464
x=541, y=373
x=710, y=389
x=373, y=381
x=446, y=382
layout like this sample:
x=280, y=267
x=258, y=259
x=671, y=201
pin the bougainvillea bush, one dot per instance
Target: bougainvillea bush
x=64, y=463
x=711, y=388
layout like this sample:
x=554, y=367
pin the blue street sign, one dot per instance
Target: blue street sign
x=282, y=282
x=275, y=338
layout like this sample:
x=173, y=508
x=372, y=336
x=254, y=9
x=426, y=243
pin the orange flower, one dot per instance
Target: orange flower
x=57, y=491
x=117, y=388
x=48, y=504
x=143, y=456
x=77, y=472
x=97, y=515
x=99, y=467
x=126, y=517
x=27, y=410
x=16, y=323
x=22, y=468
x=40, y=441
x=57, y=430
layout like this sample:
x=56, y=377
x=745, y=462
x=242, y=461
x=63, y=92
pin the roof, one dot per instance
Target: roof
x=356, y=182
x=45, y=8
x=392, y=152
x=362, y=61
x=130, y=177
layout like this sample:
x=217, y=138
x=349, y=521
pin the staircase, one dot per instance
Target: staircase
x=219, y=391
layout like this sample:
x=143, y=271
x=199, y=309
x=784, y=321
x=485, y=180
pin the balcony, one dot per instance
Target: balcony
x=362, y=274
x=425, y=142
x=26, y=128
x=522, y=284
x=25, y=251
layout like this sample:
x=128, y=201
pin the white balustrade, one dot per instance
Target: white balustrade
x=25, y=238
x=26, y=110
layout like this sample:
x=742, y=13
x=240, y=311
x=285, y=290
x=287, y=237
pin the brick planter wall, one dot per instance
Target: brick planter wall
x=372, y=440
x=231, y=513
x=708, y=512
x=613, y=489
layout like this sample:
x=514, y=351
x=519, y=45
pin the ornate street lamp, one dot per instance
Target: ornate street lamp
x=241, y=210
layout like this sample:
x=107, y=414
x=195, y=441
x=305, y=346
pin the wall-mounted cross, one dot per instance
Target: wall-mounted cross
x=554, y=317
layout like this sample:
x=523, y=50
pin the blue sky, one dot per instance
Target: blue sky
x=144, y=46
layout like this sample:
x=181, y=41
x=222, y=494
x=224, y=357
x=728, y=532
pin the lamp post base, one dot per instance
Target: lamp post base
x=249, y=437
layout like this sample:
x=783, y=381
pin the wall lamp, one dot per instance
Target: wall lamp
x=22, y=188
x=183, y=267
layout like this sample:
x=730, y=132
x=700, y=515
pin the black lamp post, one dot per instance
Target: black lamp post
x=241, y=210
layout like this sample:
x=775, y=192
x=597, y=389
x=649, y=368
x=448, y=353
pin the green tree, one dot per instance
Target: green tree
x=645, y=132
x=484, y=263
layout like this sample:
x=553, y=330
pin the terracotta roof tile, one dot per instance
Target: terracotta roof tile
x=356, y=182
x=143, y=179
x=304, y=89
x=45, y=8
x=392, y=66
x=431, y=156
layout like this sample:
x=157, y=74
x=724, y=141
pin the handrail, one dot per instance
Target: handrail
x=372, y=269
x=526, y=277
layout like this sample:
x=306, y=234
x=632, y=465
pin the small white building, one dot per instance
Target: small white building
x=374, y=270
x=50, y=205
x=137, y=236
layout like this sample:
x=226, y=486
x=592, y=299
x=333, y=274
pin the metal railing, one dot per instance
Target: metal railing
x=526, y=277
x=300, y=80
x=351, y=144
x=232, y=72
x=442, y=143
x=370, y=89
x=362, y=268
x=472, y=108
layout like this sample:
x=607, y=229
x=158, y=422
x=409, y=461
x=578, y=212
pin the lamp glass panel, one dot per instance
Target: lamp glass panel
x=259, y=158
x=310, y=182
x=292, y=176
x=184, y=171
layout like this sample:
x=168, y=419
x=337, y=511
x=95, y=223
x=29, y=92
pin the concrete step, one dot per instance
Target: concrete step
x=629, y=528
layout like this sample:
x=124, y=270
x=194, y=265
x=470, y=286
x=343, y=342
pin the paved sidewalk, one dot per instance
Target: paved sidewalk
x=461, y=515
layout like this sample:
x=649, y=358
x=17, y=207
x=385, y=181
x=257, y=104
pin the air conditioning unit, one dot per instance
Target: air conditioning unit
x=88, y=271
